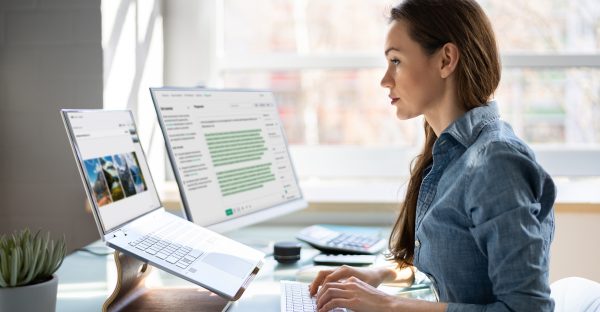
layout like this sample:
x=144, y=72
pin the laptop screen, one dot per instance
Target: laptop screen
x=112, y=164
x=229, y=155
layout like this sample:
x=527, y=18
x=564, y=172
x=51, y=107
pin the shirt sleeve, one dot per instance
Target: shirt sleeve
x=509, y=202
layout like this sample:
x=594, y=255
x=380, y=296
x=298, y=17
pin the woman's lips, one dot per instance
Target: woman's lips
x=394, y=100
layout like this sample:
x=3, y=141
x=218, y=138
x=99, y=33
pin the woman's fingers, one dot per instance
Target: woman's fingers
x=337, y=303
x=331, y=293
x=346, y=294
x=329, y=276
x=326, y=286
x=340, y=273
x=354, y=294
x=318, y=281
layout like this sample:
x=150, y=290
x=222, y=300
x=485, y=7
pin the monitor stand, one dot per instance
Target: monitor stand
x=131, y=293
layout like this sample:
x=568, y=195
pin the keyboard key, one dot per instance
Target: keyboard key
x=182, y=265
x=151, y=251
x=179, y=254
x=172, y=259
x=162, y=255
x=188, y=259
x=195, y=253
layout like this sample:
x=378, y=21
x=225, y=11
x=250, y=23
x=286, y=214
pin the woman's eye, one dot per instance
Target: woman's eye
x=395, y=61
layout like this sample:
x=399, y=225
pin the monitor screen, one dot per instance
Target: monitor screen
x=229, y=155
x=112, y=165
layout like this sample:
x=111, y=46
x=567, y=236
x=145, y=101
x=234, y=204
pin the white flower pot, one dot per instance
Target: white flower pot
x=39, y=297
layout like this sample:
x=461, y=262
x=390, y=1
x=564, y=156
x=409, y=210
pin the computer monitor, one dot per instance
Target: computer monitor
x=229, y=155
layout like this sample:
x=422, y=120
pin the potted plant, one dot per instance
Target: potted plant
x=27, y=266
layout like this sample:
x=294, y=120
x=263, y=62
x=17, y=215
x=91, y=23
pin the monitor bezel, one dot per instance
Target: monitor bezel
x=84, y=178
x=244, y=220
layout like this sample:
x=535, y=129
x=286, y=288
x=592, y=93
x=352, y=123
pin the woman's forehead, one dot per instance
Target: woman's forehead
x=397, y=37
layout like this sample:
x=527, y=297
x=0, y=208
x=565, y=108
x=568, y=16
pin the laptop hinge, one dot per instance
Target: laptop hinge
x=123, y=229
x=115, y=234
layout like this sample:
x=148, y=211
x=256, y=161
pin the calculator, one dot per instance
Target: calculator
x=337, y=242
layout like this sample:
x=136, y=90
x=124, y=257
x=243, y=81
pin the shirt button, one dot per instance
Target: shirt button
x=417, y=243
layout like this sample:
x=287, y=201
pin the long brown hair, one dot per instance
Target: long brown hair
x=433, y=23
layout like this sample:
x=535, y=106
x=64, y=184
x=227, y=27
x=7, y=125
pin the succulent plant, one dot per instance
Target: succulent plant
x=27, y=259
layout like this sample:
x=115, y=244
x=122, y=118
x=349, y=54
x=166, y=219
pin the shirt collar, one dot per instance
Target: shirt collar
x=466, y=128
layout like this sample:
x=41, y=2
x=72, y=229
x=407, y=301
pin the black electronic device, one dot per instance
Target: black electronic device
x=286, y=252
x=337, y=242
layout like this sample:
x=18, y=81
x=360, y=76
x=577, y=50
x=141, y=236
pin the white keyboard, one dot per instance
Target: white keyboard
x=170, y=243
x=296, y=298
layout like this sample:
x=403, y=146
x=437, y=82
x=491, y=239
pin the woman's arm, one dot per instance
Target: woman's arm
x=394, y=276
x=509, y=203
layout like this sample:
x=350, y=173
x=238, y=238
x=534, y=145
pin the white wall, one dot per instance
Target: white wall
x=50, y=58
x=575, y=249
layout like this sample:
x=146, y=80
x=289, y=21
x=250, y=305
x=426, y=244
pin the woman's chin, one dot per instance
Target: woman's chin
x=402, y=115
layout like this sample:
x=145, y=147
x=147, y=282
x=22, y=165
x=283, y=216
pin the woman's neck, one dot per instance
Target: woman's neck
x=443, y=113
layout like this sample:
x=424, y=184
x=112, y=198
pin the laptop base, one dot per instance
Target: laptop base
x=131, y=294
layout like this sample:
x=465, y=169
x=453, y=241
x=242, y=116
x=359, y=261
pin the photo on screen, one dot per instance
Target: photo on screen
x=125, y=175
x=97, y=182
x=136, y=172
x=112, y=178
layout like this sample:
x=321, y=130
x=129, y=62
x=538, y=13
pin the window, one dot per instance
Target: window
x=549, y=88
x=327, y=92
x=324, y=60
x=132, y=44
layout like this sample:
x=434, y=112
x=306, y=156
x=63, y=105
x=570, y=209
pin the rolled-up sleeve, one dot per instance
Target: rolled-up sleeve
x=513, y=226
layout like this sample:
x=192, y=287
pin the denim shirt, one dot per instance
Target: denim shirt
x=484, y=218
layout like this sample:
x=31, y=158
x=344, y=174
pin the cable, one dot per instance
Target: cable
x=95, y=253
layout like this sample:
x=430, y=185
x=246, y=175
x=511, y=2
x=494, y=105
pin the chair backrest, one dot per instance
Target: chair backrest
x=576, y=294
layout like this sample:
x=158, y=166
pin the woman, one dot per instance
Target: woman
x=477, y=217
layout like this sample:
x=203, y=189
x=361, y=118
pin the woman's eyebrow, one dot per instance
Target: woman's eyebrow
x=391, y=49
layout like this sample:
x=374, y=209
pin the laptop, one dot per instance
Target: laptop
x=130, y=217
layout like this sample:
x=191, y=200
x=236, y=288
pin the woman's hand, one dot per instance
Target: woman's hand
x=371, y=276
x=353, y=294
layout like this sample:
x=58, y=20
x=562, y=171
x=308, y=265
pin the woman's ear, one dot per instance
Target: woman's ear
x=449, y=55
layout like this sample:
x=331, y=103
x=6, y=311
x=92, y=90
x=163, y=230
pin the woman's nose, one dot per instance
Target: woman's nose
x=387, y=81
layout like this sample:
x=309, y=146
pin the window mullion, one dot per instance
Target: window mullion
x=271, y=62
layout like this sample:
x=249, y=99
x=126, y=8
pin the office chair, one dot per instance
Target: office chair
x=576, y=294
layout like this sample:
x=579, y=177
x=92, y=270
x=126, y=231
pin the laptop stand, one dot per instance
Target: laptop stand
x=131, y=293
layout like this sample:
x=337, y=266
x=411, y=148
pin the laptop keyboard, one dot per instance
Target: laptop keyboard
x=296, y=298
x=165, y=245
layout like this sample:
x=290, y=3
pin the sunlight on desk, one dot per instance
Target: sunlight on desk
x=82, y=290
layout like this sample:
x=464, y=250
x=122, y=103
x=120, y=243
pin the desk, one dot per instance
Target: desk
x=86, y=280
